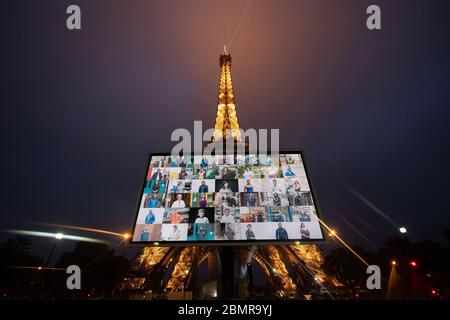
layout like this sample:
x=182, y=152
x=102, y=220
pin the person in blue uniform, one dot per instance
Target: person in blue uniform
x=281, y=233
x=145, y=234
x=150, y=218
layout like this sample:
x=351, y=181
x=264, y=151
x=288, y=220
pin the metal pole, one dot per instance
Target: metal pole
x=227, y=273
x=51, y=253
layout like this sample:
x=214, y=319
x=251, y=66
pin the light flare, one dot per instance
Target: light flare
x=53, y=235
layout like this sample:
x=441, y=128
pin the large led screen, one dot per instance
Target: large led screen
x=237, y=199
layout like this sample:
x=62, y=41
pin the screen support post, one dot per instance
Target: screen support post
x=227, y=272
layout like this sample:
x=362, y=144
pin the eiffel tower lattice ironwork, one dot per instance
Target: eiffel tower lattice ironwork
x=227, y=124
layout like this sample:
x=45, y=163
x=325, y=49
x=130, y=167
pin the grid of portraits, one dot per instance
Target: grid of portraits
x=226, y=198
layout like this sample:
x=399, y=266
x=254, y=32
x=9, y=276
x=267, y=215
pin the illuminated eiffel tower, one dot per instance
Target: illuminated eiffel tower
x=291, y=270
x=227, y=125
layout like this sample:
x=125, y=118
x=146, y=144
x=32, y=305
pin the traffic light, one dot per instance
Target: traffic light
x=413, y=264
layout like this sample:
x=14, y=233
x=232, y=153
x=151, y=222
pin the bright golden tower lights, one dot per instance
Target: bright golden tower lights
x=227, y=125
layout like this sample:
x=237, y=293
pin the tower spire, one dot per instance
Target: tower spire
x=226, y=117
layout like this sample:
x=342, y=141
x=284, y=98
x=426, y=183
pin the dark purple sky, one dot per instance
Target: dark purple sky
x=80, y=110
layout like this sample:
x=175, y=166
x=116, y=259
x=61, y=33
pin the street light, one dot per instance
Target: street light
x=402, y=230
x=58, y=236
x=126, y=236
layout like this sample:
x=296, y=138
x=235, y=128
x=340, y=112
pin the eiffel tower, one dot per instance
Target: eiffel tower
x=292, y=271
x=227, y=125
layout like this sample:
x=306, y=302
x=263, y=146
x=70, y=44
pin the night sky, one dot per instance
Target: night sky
x=80, y=110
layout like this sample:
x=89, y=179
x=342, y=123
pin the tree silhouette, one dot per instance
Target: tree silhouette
x=102, y=269
x=16, y=281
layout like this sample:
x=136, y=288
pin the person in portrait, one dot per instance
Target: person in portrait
x=229, y=173
x=175, y=217
x=227, y=217
x=178, y=187
x=159, y=163
x=296, y=215
x=289, y=172
x=304, y=232
x=248, y=173
x=201, y=217
x=281, y=233
x=230, y=200
x=145, y=234
x=179, y=202
x=153, y=202
x=225, y=173
x=183, y=162
x=202, y=202
x=296, y=185
x=157, y=175
x=150, y=217
x=289, y=185
x=248, y=186
x=219, y=199
x=225, y=187
x=155, y=163
x=259, y=215
x=229, y=232
x=175, y=234
x=249, y=234
x=202, y=231
x=183, y=174
x=304, y=215
x=204, y=163
x=276, y=200
x=290, y=160
x=156, y=186
x=299, y=200
x=201, y=174
x=250, y=200
x=307, y=200
x=203, y=187
x=275, y=187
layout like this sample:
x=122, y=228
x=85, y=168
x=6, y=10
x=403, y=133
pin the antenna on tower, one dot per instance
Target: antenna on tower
x=225, y=50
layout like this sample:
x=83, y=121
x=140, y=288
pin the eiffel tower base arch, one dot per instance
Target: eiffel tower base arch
x=291, y=271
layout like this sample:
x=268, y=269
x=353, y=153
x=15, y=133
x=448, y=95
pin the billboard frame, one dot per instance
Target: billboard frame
x=219, y=243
